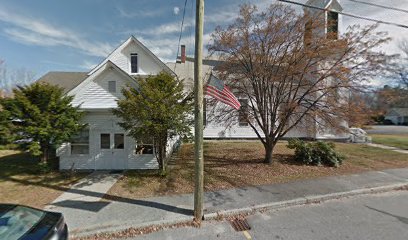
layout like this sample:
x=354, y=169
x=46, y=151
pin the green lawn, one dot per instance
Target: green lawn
x=22, y=181
x=399, y=141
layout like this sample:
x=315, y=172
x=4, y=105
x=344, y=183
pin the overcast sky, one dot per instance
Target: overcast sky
x=74, y=35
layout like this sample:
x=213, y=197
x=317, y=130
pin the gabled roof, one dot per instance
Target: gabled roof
x=137, y=42
x=185, y=71
x=96, y=73
x=326, y=4
x=65, y=80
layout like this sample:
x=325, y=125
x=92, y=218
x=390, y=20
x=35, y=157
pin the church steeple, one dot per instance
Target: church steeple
x=325, y=23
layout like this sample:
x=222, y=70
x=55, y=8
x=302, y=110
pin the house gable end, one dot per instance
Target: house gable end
x=96, y=91
x=147, y=62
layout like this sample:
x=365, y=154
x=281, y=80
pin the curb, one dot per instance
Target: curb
x=111, y=229
x=305, y=200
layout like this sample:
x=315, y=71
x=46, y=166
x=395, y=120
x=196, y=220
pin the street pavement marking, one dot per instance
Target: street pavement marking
x=246, y=234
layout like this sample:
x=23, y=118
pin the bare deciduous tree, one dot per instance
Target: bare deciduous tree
x=291, y=77
x=403, y=73
x=10, y=78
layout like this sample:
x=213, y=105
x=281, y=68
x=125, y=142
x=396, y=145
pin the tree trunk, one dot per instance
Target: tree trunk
x=159, y=157
x=268, y=152
x=162, y=155
x=162, y=167
x=44, y=156
x=164, y=145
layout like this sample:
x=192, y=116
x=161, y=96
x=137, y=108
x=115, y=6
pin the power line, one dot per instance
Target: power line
x=190, y=37
x=181, y=33
x=348, y=14
x=380, y=6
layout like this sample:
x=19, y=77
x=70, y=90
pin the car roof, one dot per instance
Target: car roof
x=6, y=207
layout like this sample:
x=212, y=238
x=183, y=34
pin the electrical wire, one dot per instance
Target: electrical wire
x=380, y=6
x=348, y=14
x=190, y=38
x=181, y=33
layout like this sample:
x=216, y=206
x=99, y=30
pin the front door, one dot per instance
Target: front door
x=119, y=151
x=112, y=153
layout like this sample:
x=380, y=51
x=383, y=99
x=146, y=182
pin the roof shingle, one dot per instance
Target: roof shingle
x=66, y=80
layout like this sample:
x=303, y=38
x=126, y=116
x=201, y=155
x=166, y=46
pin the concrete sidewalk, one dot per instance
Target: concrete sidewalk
x=88, y=190
x=121, y=213
x=388, y=148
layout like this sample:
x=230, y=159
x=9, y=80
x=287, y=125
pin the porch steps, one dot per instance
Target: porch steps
x=172, y=162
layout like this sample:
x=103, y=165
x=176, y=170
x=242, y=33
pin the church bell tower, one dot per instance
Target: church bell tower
x=322, y=23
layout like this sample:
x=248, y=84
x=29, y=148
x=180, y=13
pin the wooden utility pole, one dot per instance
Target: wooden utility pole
x=198, y=113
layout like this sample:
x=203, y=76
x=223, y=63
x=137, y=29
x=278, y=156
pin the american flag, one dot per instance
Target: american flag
x=218, y=90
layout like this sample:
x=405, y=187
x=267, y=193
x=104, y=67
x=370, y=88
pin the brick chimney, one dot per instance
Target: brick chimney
x=183, y=53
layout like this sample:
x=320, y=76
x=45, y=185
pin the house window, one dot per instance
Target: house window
x=119, y=141
x=133, y=63
x=144, y=149
x=332, y=25
x=105, y=141
x=243, y=112
x=112, y=86
x=80, y=142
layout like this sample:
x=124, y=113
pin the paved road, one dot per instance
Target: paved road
x=378, y=216
x=85, y=218
x=387, y=130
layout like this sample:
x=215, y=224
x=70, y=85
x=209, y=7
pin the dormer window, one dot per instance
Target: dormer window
x=332, y=25
x=133, y=63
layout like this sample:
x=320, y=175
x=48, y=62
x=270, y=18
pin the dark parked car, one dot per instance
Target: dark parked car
x=25, y=223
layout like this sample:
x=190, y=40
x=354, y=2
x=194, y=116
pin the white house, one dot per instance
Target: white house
x=184, y=69
x=104, y=144
x=240, y=129
x=398, y=116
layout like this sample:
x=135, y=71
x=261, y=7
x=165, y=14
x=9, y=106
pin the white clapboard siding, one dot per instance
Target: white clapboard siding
x=148, y=63
x=236, y=131
x=77, y=162
x=215, y=129
x=96, y=95
x=220, y=130
x=104, y=122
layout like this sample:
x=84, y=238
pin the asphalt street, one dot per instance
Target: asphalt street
x=392, y=129
x=375, y=216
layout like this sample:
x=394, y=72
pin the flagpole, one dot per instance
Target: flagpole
x=198, y=114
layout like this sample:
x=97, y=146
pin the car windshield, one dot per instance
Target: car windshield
x=18, y=221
